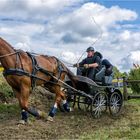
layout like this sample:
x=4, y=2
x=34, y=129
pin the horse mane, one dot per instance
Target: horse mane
x=45, y=55
x=3, y=42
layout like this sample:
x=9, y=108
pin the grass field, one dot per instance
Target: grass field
x=73, y=125
x=127, y=126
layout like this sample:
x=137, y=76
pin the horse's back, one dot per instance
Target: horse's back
x=47, y=62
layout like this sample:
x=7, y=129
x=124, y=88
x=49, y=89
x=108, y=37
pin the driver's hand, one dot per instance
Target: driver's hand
x=76, y=65
x=86, y=66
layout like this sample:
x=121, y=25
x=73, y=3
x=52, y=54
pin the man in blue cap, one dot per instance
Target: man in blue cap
x=90, y=65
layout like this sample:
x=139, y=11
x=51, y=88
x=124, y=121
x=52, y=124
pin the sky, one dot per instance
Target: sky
x=65, y=28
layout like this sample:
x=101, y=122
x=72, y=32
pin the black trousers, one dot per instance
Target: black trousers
x=90, y=72
x=109, y=71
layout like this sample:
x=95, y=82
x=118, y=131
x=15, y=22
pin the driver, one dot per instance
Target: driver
x=90, y=65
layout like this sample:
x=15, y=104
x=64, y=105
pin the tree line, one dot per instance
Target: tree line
x=134, y=74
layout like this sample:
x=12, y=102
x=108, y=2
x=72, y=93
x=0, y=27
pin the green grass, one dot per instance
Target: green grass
x=129, y=90
x=131, y=131
x=5, y=88
x=126, y=128
x=134, y=102
x=8, y=111
x=8, y=108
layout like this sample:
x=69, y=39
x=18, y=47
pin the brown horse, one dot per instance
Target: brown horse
x=21, y=83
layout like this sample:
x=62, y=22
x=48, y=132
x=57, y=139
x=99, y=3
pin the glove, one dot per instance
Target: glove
x=76, y=65
x=86, y=66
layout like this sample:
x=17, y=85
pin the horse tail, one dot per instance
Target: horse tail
x=70, y=74
x=72, y=77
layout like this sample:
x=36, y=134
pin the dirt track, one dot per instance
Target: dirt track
x=66, y=125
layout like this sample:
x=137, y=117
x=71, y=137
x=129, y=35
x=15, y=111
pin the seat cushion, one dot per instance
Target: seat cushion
x=100, y=75
x=108, y=79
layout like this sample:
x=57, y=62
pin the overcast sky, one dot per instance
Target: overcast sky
x=65, y=28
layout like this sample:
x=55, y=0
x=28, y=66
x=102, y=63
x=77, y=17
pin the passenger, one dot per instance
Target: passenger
x=90, y=65
x=108, y=66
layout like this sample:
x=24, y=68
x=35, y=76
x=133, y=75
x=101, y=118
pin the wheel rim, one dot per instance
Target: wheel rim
x=99, y=105
x=115, y=103
x=88, y=102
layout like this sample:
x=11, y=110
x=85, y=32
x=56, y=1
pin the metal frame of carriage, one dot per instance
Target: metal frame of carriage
x=94, y=98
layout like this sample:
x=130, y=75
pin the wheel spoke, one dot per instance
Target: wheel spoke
x=115, y=103
x=99, y=104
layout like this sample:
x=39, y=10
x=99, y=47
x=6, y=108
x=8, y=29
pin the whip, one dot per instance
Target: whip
x=99, y=38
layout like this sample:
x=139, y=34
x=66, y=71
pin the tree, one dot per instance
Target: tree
x=124, y=74
x=135, y=75
x=117, y=73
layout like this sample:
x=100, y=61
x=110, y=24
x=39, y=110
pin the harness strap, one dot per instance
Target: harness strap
x=60, y=70
x=34, y=69
x=9, y=54
x=20, y=72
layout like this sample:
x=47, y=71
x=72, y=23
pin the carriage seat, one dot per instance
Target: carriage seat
x=101, y=77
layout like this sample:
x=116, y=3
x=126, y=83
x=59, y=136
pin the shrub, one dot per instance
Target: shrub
x=135, y=75
x=5, y=88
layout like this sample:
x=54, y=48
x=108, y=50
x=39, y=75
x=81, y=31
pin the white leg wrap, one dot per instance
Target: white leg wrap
x=55, y=105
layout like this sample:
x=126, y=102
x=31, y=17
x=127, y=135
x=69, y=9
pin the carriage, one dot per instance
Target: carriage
x=24, y=70
x=95, y=97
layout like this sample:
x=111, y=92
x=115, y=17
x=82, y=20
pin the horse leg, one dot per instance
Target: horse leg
x=23, y=102
x=54, y=108
x=58, y=98
x=23, y=98
x=65, y=103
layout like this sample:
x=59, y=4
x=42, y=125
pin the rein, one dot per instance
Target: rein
x=9, y=54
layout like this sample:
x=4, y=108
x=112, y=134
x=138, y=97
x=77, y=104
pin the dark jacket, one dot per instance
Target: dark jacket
x=90, y=60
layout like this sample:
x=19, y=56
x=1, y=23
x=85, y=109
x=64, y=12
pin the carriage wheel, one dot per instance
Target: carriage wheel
x=99, y=104
x=71, y=99
x=115, y=103
x=84, y=103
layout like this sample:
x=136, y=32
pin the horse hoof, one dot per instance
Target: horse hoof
x=22, y=122
x=49, y=118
